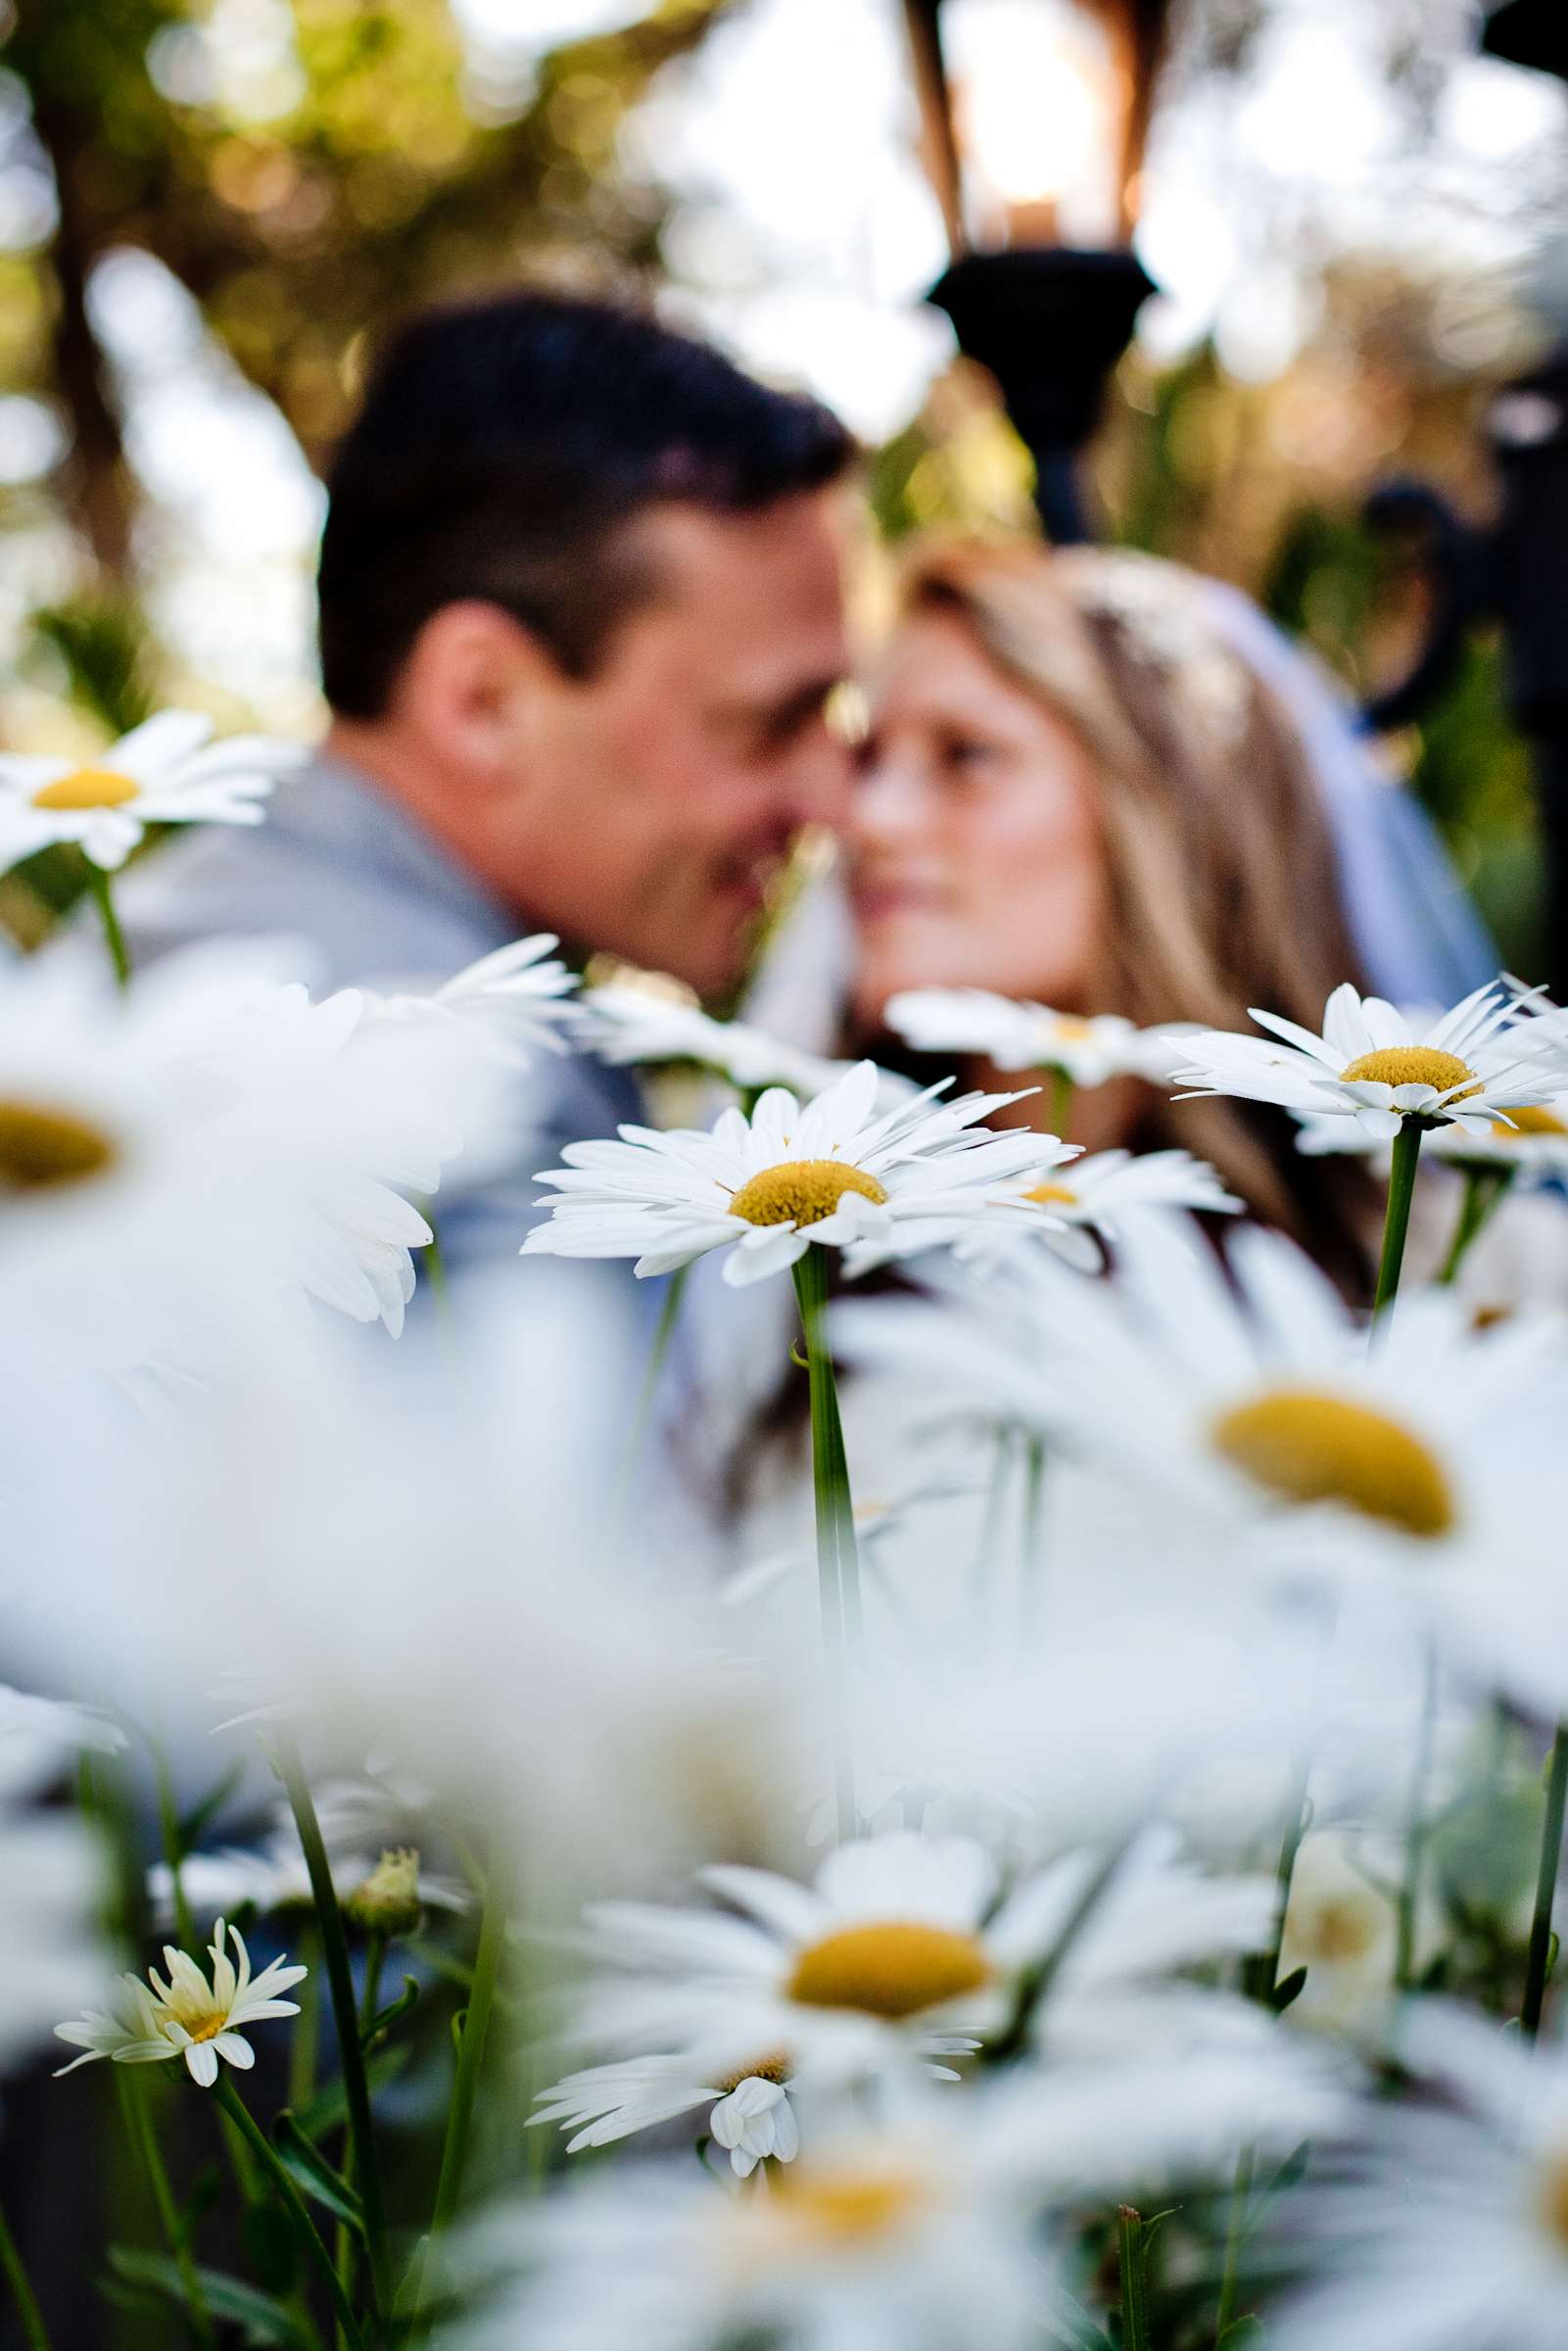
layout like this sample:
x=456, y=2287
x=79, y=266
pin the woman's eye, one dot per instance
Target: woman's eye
x=966, y=754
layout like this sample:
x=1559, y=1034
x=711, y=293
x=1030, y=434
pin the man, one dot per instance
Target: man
x=580, y=616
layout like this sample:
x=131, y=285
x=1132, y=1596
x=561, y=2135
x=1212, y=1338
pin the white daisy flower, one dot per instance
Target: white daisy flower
x=516, y=998
x=1451, y=2228
x=748, y=2100
x=939, y=2230
x=1014, y=1035
x=1531, y=1144
x=45, y=1723
x=901, y=1938
x=1074, y=1208
x=1342, y=1925
x=1244, y=1405
x=625, y=1023
x=766, y=1187
x=190, y=2015
x=1118, y=1988
x=165, y=772
x=1378, y=1066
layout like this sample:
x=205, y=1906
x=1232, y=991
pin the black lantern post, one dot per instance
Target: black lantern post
x=1049, y=317
x=1514, y=572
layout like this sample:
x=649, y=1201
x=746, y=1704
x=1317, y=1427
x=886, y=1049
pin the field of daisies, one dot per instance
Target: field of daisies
x=1098, y=1889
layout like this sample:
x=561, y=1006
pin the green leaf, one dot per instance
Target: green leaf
x=1287, y=1990
x=311, y=2172
x=1242, y=2334
x=385, y=2018
x=263, y=2321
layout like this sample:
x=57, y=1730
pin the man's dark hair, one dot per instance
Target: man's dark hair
x=502, y=449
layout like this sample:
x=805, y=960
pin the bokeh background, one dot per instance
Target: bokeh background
x=210, y=209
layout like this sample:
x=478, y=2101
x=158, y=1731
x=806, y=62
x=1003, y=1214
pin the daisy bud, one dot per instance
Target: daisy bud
x=388, y=1902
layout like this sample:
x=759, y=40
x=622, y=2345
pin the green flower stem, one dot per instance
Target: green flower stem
x=1134, y=2256
x=1538, y=1960
x=262, y=2147
x=114, y=937
x=642, y=1410
x=344, y=2013
x=1062, y=1093
x=837, y=1560
x=14, y=2271
x=374, y=1959
x=134, y=2107
x=1235, y=2245
x=997, y=1487
x=473, y=2033
x=1397, y=1217
x=303, y=2048
x=1033, y=1523
x=1416, y=1834
x=1484, y=1191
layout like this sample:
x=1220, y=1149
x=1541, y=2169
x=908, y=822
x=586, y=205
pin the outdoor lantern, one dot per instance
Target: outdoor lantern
x=1033, y=118
x=1529, y=33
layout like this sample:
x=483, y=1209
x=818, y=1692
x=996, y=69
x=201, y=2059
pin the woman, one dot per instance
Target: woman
x=1079, y=788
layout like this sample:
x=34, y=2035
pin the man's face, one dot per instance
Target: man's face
x=661, y=795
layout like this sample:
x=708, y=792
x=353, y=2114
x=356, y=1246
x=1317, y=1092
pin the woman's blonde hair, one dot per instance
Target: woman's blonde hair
x=1222, y=886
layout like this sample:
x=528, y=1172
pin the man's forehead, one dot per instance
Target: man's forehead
x=784, y=559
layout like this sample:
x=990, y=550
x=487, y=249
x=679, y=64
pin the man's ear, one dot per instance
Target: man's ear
x=473, y=689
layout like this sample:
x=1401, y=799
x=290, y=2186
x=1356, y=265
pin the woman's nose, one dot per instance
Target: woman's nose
x=888, y=804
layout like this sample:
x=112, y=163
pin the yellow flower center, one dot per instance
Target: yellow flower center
x=802, y=1191
x=1413, y=1065
x=833, y=2208
x=1312, y=1446
x=41, y=1147
x=1551, y=2196
x=87, y=787
x=1342, y=1929
x=1051, y=1195
x=775, y=2067
x=1533, y=1119
x=1069, y=1026
x=893, y=1968
x=210, y=2026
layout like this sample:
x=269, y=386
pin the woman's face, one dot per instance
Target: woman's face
x=975, y=853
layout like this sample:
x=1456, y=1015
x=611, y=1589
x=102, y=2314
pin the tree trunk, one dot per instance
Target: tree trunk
x=95, y=478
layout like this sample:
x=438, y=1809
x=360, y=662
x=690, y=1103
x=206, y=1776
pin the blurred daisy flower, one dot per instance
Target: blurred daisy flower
x=193, y=2015
x=1380, y=1066
x=624, y=1022
x=1015, y=1035
x=750, y=2113
x=516, y=998
x=1451, y=2226
x=766, y=1187
x=1075, y=1208
x=938, y=2229
x=901, y=1948
x=165, y=772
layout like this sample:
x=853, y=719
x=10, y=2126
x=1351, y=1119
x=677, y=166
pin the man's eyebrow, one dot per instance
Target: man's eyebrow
x=791, y=707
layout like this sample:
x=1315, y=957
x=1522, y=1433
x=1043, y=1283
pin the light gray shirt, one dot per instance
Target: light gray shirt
x=374, y=901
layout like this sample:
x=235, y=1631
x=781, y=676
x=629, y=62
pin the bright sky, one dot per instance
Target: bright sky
x=805, y=235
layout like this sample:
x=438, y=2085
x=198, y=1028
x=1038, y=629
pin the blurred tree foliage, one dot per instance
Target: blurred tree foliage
x=366, y=168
